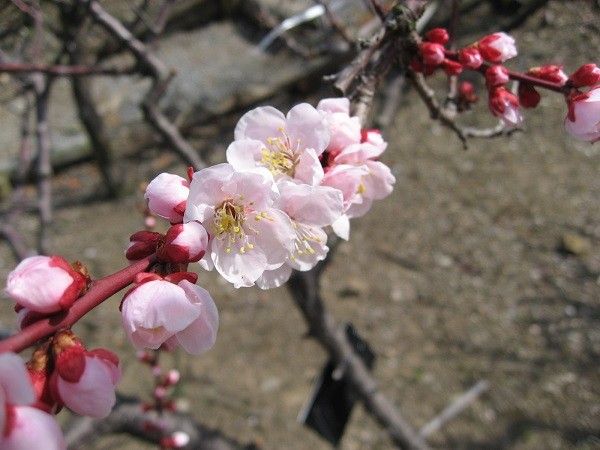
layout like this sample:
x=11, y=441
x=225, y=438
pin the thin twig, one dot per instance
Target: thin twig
x=335, y=23
x=128, y=417
x=454, y=409
x=63, y=70
x=160, y=80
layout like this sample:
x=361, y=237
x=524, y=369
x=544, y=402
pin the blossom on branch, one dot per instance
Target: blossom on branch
x=166, y=195
x=583, y=119
x=497, y=47
x=45, y=284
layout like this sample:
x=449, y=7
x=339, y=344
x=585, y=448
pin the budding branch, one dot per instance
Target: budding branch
x=100, y=291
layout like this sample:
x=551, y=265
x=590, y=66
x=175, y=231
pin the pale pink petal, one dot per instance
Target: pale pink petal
x=37, y=285
x=358, y=153
x=314, y=205
x=306, y=128
x=309, y=169
x=14, y=380
x=344, y=129
x=260, y=124
x=206, y=191
x=359, y=209
x=201, y=334
x=155, y=311
x=206, y=261
x=346, y=178
x=587, y=118
x=379, y=182
x=33, y=429
x=94, y=394
x=374, y=137
x=241, y=269
x=245, y=154
x=334, y=105
x=341, y=227
x=250, y=188
x=192, y=238
x=274, y=278
x=275, y=236
x=310, y=250
x=164, y=193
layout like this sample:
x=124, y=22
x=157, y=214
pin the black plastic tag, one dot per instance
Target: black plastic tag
x=328, y=410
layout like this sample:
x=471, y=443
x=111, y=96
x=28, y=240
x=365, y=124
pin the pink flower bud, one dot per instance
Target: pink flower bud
x=84, y=381
x=528, y=96
x=30, y=428
x=505, y=105
x=496, y=76
x=433, y=54
x=167, y=195
x=497, y=47
x=438, y=35
x=586, y=75
x=142, y=244
x=45, y=284
x=549, y=72
x=583, y=120
x=158, y=311
x=173, y=377
x=470, y=58
x=452, y=67
x=184, y=243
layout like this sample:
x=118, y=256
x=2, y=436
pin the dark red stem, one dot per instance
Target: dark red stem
x=550, y=85
x=100, y=290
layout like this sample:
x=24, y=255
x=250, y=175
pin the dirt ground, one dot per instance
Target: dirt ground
x=483, y=264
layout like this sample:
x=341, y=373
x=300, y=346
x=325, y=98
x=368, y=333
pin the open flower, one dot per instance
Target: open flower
x=248, y=234
x=310, y=208
x=23, y=427
x=45, y=284
x=158, y=311
x=288, y=146
x=583, y=120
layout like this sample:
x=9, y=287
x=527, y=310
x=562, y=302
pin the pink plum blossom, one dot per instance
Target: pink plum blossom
x=166, y=195
x=159, y=312
x=248, y=234
x=184, y=243
x=497, y=47
x=360, y=177
x=583, y=120
x=45, y=284
x=310, y=208
x=288, y=146
x=344, y=129
x=23, y=427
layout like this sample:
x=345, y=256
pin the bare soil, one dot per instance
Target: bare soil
x=483, y=264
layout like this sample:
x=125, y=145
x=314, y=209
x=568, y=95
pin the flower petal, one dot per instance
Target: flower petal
x=313, y=205
x=201, y=334
x=260, y=124
x=245, y=154
x=274, y=278
x=275, y=236
x=206, y=191
x=241, y=269
x=14, y=380
x=309, y=169
x=307, y=128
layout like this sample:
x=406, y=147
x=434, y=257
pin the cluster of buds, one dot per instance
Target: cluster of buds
x=163, y=383
x=488, y=55
x=61, y=373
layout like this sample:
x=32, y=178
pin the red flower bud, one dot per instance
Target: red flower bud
x=528, y=96
x=586, y=75
x=470, y=58
x=433, y=54
x=452, y=67
x=549, y=72
x=496, y=76
x=438, y=35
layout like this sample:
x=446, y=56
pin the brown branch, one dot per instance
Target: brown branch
x=454, y=409
x=128, y=417
x=63, y=70
x=435, y=109
x=161, y=76
x=42, y=85
x=304, y=287
x=335, y=23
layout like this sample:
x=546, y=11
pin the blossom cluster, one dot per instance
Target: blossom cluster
x=264, y=212
x=488, y=55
